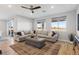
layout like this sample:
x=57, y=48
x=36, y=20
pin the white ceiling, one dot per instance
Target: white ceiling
x=6, y=12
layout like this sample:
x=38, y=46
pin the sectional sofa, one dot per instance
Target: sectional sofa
x=21, y=36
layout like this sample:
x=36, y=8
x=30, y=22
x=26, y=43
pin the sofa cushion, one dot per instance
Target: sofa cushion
x=25, y=33
x=49, y=34
x=42, y=32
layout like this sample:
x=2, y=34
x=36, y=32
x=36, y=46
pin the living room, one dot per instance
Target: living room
x=50, y=24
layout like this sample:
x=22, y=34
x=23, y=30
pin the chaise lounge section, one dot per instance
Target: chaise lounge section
x=48, y=38
x=51, y=38
x=21, y=36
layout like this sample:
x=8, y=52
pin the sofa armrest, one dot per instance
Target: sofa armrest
x=55, y=37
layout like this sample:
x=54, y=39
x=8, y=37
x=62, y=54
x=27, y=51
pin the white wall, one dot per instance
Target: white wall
x=23, y=24
x=71, y=23
x=76, y=21
x=3, y=27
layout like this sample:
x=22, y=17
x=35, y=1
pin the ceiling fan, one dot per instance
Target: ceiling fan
x=31, y=8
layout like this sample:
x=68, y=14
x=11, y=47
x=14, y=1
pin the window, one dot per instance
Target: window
x=40, y=25
x=58, y=25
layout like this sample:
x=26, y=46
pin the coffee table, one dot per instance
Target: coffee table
x=36, y=41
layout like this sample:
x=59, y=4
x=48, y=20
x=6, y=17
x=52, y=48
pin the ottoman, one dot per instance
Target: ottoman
x=36, y=42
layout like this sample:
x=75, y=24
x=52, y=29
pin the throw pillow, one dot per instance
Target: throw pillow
x=22, y=33
x=53, y=33
x=19, y=33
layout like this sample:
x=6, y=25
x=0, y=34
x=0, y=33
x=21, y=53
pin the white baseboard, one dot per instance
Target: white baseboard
x=65, y=40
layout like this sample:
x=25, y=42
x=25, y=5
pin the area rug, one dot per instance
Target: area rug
x=25, y=49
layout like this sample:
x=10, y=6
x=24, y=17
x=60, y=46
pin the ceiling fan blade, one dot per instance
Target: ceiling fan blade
x=32, y=9
x=36, y=7
x=25, y=7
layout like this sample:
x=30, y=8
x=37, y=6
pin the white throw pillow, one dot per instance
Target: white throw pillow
x=22, y=33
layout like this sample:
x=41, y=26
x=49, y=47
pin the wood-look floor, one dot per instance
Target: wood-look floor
x=5, y=47
x=66, y=48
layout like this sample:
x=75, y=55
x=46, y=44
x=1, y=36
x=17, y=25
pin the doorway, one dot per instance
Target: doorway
x=10, y=28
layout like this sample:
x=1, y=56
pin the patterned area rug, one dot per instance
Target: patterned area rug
x=25, y=49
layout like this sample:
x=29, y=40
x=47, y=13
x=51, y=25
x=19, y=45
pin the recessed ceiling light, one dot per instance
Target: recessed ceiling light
x=52, y=6
x=9, y=6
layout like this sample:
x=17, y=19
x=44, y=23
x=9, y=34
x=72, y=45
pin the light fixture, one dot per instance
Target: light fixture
x=9, y=6
x=52, y=6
